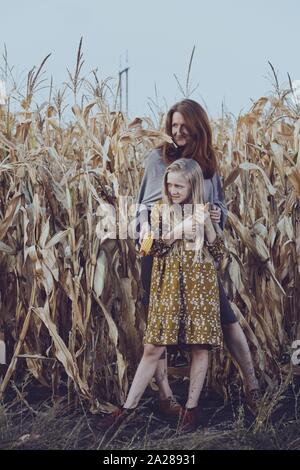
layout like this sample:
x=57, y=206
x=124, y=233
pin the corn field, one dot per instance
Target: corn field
x=70, y=299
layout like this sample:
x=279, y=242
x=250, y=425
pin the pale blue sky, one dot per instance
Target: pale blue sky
x=234, y=40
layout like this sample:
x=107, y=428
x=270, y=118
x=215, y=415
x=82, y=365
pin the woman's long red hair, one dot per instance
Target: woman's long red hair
x=199, y=146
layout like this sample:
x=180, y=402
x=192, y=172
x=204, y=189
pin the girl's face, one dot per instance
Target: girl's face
x=179, y=188
x=180, y=133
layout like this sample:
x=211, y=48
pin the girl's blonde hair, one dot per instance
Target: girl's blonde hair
x=191, y=170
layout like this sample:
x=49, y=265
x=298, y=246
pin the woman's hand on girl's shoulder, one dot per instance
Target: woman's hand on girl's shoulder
x=215, y=214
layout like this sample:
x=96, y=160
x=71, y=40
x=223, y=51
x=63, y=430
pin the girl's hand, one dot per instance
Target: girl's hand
x=145, y=230
x=215, y=214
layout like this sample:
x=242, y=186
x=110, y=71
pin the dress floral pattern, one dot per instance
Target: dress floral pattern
x=184, y=301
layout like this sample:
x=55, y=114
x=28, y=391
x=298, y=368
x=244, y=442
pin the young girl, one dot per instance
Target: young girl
x=184, y=298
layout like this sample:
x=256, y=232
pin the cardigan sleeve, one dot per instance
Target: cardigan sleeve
x=218, y=198
x=150, y=190
x=142, y=209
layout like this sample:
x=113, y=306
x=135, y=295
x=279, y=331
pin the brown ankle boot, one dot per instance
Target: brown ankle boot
x=189, y=420
x=114, y=420
x=170, y=408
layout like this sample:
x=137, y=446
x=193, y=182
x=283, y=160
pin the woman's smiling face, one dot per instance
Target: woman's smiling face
x=180, y=133
x=179, y=188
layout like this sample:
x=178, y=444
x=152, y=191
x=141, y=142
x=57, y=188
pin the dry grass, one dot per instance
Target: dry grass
x=43, y=425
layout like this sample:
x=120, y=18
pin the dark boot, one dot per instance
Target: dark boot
x=114, y=420
x=189, y=420
x=170, y=408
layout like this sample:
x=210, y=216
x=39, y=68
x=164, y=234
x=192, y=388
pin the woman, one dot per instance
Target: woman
x=188, y=124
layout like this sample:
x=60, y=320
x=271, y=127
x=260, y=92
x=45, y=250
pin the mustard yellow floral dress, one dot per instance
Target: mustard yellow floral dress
x=184, y=297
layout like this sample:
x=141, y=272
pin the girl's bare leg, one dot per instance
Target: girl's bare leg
x=161, y=377
x=198, y=372
x=144, y=374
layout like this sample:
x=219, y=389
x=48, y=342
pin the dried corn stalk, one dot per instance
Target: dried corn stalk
x=70, y=298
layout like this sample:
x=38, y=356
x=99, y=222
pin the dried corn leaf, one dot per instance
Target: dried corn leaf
x=61, y=351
